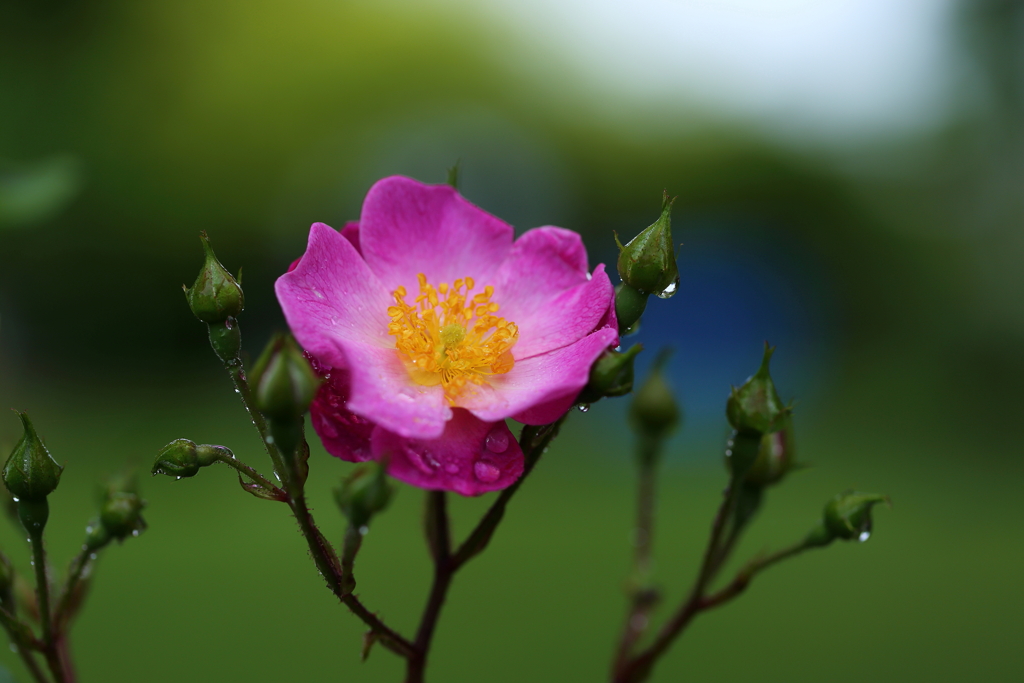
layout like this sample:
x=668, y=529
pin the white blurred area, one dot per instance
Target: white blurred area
x=793, y=67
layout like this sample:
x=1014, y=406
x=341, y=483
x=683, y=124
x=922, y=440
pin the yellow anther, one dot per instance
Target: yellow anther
x=453, y=339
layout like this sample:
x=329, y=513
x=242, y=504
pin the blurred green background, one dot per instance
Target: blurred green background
x=883, y=257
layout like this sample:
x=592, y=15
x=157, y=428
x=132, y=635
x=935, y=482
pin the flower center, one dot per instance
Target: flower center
x=449, y=338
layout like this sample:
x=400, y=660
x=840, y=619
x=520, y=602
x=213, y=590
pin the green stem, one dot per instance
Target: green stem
x=49, y=644
x=643, y=597
x=241, y=467
x=437, y=527
x=80, y=567
x=237, y=373
x=20, y=637
x=330, y=567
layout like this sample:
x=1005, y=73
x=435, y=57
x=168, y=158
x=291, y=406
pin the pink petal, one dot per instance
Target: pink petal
x=552, y=378
x=345, y=435
x=382, y=391
x=471, y=457
x=349, y=232
x=337, y=310
x=407, y=228
x=543, y=287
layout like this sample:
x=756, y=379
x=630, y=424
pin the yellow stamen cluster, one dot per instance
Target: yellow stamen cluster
x=447, y=337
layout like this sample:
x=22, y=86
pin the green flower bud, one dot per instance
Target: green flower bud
x=648, y=261
x=775, y=456
x=654, y=413
x=121, y=508
x=848, y=515
x=284, y=383
x=363, y=493
x=756, y=406
x=183, y=458
x=215, y=296
x=31, y=473
x=611, y=375
x=630, y=303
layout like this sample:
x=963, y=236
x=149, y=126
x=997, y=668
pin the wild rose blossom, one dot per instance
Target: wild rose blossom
x=432, y=326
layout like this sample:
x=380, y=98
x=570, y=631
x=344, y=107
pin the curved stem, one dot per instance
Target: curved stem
x=241, y=467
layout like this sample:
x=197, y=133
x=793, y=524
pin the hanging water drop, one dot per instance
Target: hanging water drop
x=583, y=407
x=669, y=291
x=864, y=535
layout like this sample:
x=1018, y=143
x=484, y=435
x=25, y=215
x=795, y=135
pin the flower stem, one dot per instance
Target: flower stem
x=330, y=568
x=643, y=595
x=49, y=643
x=638, y=668
x=438, y=535
x=22, y=639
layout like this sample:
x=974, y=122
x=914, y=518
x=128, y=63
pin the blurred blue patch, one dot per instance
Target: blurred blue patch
x=741, y=284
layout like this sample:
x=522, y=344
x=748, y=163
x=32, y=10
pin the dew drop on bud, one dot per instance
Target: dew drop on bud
x=864, y=535
x=669, y=291
x=583, y=407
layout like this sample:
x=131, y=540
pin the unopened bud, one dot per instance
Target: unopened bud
x=630, y=304
x=363, y=493
x=183, y=458
x=121, y=509
x=756, y=407
x=654, y=412
x=611, y=375
x=215, y=296
x=284, y=383
x=31, y=472
x=848, y=515
x=648, y=261
x=775, y=456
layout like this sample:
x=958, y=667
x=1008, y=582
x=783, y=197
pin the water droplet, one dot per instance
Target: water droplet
x=135, y=533
x=14, y=648
x=486, y=472
x=497, y=440
x=363, y=530
x=864, y=535
x=583, y=407
x=669, y=291
x=92, y=556
x=270, y=439
x=177, y=478
x=14, y=498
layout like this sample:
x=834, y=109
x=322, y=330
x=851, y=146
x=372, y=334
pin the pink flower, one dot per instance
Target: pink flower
x=433, y=326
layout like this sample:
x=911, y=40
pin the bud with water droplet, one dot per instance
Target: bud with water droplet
x=183, y=458
x=848, y=515
x=363, y=493
x=215, y=296
x=755, y=407
x=121, y=508
x=31, y=473
x=654, y=413
x=648, y=262
x=284, y=383
x=611, y=375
